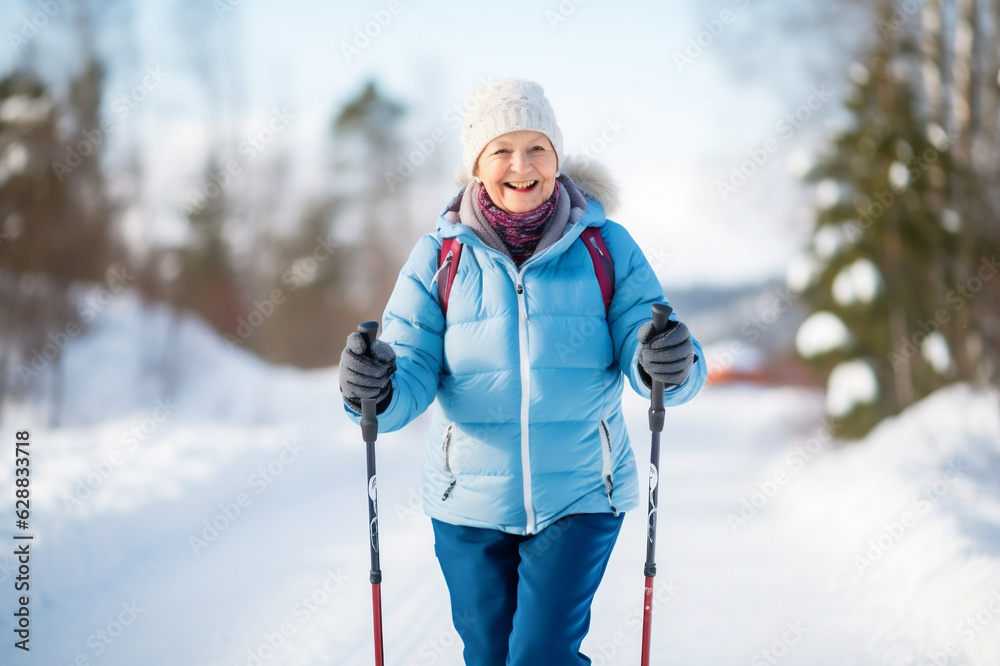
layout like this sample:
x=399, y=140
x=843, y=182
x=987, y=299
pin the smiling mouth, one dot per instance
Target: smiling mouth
x=522, y=186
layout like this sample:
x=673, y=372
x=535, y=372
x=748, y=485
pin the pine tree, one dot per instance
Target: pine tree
x=365, y=145
x=53, y=204
x=340, y=267
x=207, y=283
x=884, y=243
x=55, y=221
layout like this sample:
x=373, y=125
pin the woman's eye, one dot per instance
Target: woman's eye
x=536, y=148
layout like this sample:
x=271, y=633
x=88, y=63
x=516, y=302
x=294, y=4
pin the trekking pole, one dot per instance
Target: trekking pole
x=369, y=431
x=661, y=323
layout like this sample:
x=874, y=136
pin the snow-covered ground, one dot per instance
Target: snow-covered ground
x=218, y=517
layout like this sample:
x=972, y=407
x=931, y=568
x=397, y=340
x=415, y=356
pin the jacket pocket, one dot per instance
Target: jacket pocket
x=608, y=464
x=446, y=445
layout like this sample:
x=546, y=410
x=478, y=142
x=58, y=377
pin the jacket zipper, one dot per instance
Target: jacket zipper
x=447, y=461
x=522, y=337
x=608, y=463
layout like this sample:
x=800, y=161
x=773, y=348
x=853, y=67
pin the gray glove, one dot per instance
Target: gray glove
x=667, y=357
x=366, y=376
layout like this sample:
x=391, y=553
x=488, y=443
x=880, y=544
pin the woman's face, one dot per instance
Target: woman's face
x=518, y=170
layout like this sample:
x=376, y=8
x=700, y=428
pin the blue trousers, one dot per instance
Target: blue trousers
x=525, y=600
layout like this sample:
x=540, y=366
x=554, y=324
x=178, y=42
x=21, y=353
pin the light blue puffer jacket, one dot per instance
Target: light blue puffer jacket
x=527, y=371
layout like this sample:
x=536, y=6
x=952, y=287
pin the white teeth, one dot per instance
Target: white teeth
x=522, y=186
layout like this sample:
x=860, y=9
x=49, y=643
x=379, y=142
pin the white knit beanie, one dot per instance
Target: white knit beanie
x=503, y=106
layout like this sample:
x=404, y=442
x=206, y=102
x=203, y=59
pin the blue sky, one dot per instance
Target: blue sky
x=681, y=125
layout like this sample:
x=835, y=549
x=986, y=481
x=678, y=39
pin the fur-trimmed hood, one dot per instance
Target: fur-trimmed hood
x=591, y=177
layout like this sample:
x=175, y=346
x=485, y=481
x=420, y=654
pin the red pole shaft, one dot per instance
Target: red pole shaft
x=377, y=616
x=647, y=619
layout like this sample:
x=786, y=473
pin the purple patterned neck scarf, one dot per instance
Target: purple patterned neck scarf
x=520, y=232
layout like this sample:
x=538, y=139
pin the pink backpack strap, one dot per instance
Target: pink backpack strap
x=452, y=247
x=604, y=267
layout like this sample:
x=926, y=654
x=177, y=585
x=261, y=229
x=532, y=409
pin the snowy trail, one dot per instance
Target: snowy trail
x=286, y=580
x=735, y=592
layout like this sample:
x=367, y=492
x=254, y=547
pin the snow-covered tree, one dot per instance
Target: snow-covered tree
x=896, y=236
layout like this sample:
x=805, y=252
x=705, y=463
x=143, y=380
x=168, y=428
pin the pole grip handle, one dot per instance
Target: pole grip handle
x=368, y=331
x=661, y=317
x=661, y=323
x=369, y=420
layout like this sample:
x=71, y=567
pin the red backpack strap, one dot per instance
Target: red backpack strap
x=453, y=247
x=604, y=267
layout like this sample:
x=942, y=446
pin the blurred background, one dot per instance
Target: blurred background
x=200, y=200
x=215, y=156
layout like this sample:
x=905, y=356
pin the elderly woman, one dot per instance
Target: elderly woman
x=522, y=314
